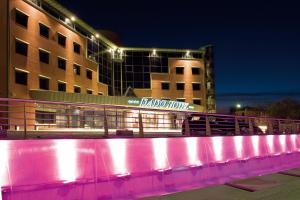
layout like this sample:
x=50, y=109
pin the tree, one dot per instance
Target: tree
x=286, y=108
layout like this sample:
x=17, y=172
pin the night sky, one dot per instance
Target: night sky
x=257, y=43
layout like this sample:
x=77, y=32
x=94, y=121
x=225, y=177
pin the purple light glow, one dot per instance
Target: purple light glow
x=99, y=169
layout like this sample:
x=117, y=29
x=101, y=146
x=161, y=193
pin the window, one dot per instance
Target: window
x=61, y=40
x=100, y=93
x=21, y=77
x=44, y=83
x=21, y=18
x=180, y=100
x=44, y=56
x=195, y=70
x=179, y=70
x=165, y=86
x=61, y=87
x=197, y=101
x=180, y=86
x=76, y=47
x=44, y=30
x=61, y=63
x=196, y=86
x=165, y=98
x=77, y=89
x=21, y=47
x=89, y=74
x=44, y=117
x=76, y=69
x=88, y=91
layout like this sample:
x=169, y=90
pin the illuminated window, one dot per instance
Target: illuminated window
x=89, y=74
x=44, y=56
x=44, y=83
x=196, y=86
x=61, y=63
x=76, y=69
x=21, y=48
x=21, y=77
x=21, y=18
x=45, y=117
x=195, y=70
x=61, y=40
x=197, y=101
x=76, y=47
x=77, y=89
x=180, y=86
x=61, y=87
x=180, y=99
x=44, y=30
x=179, y=70
x=165, y=86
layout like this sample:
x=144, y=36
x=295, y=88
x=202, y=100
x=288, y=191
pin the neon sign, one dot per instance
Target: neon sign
x=162, y=104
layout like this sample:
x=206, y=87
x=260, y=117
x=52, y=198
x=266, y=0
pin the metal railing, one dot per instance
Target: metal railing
x=27, y=118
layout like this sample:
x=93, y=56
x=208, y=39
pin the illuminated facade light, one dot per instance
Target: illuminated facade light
x=97, y=35
x=238, y=105
x=154, y=54
x=67, y=20
x=187, y=54
x=73, y=18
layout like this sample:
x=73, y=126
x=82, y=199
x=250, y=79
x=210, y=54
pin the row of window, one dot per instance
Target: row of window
x=195, y=70
x=21, y=77
x=44, y=56
x=22, y=19
x=180, y=86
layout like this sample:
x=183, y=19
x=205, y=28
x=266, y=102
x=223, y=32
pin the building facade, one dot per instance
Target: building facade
x=45, y=47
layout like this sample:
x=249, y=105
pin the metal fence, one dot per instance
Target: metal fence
x=27, y=118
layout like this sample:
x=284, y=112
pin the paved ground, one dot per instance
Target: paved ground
x=270, y=187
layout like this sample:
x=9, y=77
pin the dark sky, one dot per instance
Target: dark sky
x=257, y=43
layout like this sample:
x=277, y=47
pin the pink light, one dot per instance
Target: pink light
x=160, y=153
x=3, y=164
x=67, y=160
x=282, y=140
x=293, y=140
x=118, y=152
x=218, y=148
x=238, y=142
x=192, y=151
x=255, y=144
x=270, y=142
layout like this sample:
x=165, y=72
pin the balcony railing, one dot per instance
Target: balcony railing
x=30, y=118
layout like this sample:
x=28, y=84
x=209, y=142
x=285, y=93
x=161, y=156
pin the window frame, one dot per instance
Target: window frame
x=23, y=13
x=41, y=50
x=75, y=44
x=179, y=83
x=22, y=71
x=62, y=36
x=179, y=67
x=196, y=83
x=45, y=78
x=164, y=82
x=17, y=40
x=48, y=28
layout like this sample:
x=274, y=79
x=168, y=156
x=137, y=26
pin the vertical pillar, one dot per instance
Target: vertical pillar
x=207, y=126
x=25, y=124
x=280, y=127
x=270, y=127
x=141, y=128
x=187, y=130
x=105, y=124
x=251, y=129
x=237, y=126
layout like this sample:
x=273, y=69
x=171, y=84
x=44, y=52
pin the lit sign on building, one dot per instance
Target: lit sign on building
x=160, y=104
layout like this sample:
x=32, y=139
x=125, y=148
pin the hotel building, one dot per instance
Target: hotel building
x=49, y=54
